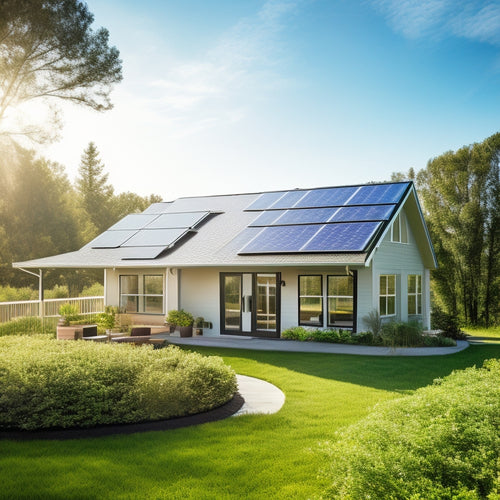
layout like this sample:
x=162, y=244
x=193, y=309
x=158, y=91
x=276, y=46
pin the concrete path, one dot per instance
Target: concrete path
x=260, y=396
x=237, y=342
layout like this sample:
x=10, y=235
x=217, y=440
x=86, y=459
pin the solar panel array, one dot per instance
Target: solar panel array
x=147, y=235
x=342, y=219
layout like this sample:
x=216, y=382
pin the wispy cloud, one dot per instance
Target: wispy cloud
x=471, y=19
x=219, y=84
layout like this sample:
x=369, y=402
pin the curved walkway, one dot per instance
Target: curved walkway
x=234, y=342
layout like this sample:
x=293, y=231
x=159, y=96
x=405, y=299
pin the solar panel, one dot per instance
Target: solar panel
x=265, y=200
x=363, y=213
x=289, y=199
x=111, y=239
x=276, y=239
x=306, y=216
x=177, y=220
x=379, y=193
x=133, y=221
x=344, y=237
x=157, y=208
x=326, y=197
x=154, y=237
x=267, y=218
x=139, y=253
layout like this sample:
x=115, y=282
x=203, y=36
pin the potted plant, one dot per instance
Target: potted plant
x=198, y=325
x=71, y=324
x=182, y=320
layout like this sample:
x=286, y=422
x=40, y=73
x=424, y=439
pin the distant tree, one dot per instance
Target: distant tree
x=127, y=203
x=461, y=199
x=95, y=193
x=402, y=176
x=49, y=50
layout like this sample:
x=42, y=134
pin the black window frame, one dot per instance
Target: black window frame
x=320, y=324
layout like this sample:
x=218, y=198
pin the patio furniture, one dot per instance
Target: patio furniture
x=89, y=332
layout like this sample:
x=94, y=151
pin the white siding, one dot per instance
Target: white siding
x=400, y=259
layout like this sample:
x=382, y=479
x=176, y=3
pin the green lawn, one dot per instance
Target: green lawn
x=254, y=457
x=491, y=333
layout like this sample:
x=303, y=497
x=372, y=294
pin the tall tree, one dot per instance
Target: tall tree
x=48, y=50
x=460, y=198
x=38, y=215
x=94, y=192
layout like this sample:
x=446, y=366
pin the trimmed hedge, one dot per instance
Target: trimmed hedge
x=49, y=384
x=442, y=442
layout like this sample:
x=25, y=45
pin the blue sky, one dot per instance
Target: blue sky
x=250, y=95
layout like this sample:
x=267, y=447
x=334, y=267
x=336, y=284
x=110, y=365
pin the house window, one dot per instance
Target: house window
x=414, y=294
x=387, y=295
x=142, y=293
x=340, y=301
x=399, y=229
x=311, y=300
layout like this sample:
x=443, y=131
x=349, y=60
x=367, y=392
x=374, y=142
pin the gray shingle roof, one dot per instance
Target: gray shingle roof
x=216, y=242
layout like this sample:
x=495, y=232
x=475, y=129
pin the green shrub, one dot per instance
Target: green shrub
x=447, y=323
x=58, y=292
x=70, y=314
x=26, y=326
x=94, y=290
x=400, y=334
x=53, y=384
x=442, y=442
x=179, y=318
x=296, y=333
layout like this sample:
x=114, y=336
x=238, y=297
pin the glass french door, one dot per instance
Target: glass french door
x=250, y=304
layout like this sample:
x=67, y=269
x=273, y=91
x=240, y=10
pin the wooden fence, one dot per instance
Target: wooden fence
x=49, y=308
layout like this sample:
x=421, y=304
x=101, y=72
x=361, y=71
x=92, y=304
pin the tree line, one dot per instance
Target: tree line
x=460, y=197
x=42, y=213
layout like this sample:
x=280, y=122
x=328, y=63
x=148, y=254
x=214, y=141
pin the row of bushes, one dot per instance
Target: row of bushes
x=442, y=442
x=49, y=384
x=393, y=334
x=30, y=325
x=11, y=294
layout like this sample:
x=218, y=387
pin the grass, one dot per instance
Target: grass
x=251, y=457
x=493, y=332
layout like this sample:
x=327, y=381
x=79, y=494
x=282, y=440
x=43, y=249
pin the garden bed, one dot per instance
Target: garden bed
x=59, y=385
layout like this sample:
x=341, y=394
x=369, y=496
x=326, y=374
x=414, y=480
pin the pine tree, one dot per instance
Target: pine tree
x=94, y=191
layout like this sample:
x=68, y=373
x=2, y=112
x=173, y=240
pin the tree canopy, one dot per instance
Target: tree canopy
x=48, y=49
x=42, y=213
x=460, y=194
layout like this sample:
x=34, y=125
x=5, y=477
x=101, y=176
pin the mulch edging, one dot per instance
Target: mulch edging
x=224, y=411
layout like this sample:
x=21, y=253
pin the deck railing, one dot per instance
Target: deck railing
x=49, y=308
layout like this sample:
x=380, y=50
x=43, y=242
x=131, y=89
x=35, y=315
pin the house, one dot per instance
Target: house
x=258, y=263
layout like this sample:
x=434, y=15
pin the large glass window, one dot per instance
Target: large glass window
x=311, y=300
x=387, y=295
x=414, y=294
x=141, y=293
x=340, y=301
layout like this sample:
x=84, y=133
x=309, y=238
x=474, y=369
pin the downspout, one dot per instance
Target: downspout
x=40, y=289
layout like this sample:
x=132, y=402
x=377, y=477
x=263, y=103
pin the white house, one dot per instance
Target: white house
x=256, y=264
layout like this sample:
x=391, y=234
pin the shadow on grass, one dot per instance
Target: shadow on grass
x=396, y=374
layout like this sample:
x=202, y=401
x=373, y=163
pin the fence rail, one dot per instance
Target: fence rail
x=48, y=308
